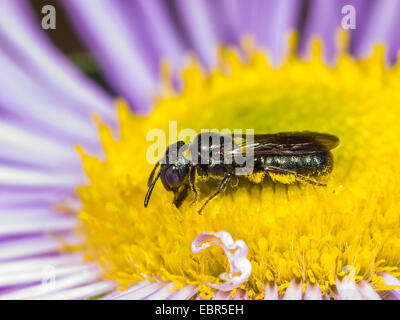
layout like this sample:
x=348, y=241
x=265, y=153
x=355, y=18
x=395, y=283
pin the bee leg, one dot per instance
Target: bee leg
x=221, y=187
x=181, y=195
x=273, y=186
x=192, y=183
x=287, y=191
x=299, y=176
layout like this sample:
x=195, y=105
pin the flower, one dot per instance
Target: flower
x=296, y=245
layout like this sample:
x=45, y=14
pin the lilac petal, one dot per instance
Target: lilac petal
x=118, y=293
x=33, y=276
x=225, y=15
x=66, y=282
x=184, y=293
x=43, y=151
x=161, y=294
x=391, y=280
x=30, y=246
x=271, y=293
x=324, y=20
x=236, y=252
x=382, y=26
x=241, y=295
x=313, y=292
x=195, y=16
x=135, y=293
x=21, y=33
x=293, y=292
x=34, y=264
x=83, y=292
x=347, y=290
x=272, y=22
x=41, y=108
x=222, y=295
x=160, y=40
x=10, y=176
x=122, y=60
x=367, y=291
x=26, y=223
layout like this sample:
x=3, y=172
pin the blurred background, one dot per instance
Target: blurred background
x=226, y=21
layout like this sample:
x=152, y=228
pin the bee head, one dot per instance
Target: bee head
x=173, y=172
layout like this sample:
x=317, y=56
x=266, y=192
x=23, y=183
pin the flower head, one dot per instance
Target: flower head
x=307, y=235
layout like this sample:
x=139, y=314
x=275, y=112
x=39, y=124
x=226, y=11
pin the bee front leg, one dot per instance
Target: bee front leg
x=181, y=195
x=221, y=187
x=192, y=183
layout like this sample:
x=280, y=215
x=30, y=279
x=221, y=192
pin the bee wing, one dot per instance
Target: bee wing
x=285, y=143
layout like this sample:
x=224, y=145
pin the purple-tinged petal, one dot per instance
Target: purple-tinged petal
x=83, y=292
x=22, y=37
x=324, y=20
x=313, y=292
x=392, y=281
x=225, y=16
x=241, y=295
x=28, y=101
x=271, y=293
x=151, y=22
x=162, y=293
x=293, y=292
x=62, y=283
x=119, y=54
x=195, y=16
x=30, y=246
x=367, y=291
x=222, y=295
x=383, y=23
x=236, y=252
x=183, y=294
x=272, y=22
x=347, y=290
x=13, y=222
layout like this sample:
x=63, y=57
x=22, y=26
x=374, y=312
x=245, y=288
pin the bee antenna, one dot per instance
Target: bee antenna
x=151, y=186
x=150, y=181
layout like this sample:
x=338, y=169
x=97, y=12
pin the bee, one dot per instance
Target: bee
x=286, y=157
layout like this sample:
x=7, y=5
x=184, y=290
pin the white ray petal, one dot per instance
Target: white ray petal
x=347, y=290
x=12, y=249
x=54, y=224
x=139, y=293
x=119, y=293
x=162, y=293
x=293, y=292
x=73, y=280
x=222, y=295
x=241, y=295
x=313, y=292
x=271, y=293
x=29, y=265
x=34, y=276
x=367, y=291
x=183, y=294
x=83, y=292
x=235, y=251
x=391, y=280
x=47, y=62
x=16, y=176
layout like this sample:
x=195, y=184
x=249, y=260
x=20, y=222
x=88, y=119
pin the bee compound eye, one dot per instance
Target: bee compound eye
x=172, y=176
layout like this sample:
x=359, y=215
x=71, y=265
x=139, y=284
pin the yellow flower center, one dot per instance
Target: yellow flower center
x=306, y=233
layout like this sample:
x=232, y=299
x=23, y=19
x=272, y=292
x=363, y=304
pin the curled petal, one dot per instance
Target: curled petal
x=236, y=252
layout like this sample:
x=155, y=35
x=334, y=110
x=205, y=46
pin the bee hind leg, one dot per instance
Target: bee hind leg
x=295, y=174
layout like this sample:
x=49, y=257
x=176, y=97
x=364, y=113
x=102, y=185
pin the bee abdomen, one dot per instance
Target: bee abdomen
x=309, y=165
